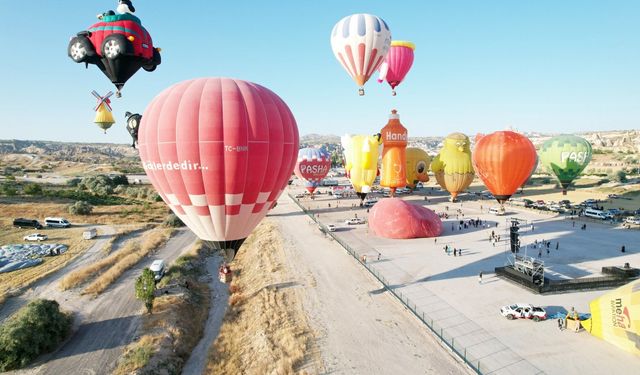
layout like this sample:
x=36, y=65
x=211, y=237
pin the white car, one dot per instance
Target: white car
x=523, y=311
x=354, y=221
x=36, y=237
x=633, y=220
x=331, y=227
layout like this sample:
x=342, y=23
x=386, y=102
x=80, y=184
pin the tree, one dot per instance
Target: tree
x=80, y=208
x=145, y=288
x=173, y=221
x=32, y=189
x=620, y=176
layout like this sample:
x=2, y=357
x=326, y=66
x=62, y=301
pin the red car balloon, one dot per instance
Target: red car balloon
x=219, y=152
x=504, y=161
x=312, y=167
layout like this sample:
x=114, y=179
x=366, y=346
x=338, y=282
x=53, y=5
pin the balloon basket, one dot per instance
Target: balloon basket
x=393, y=92
x=361, y=91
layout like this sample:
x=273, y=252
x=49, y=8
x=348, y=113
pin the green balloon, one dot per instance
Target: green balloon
x=566, y=156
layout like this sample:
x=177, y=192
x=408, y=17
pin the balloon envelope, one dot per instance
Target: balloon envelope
x=360, y=42
x=418, y=162
x=394, y=142
x=312, y=167
x=395, y=218
x=452, y=167
x=361, y=161
x=615, y=317
x=219, y=152
x=504, y=161
x=397, y=63
x=566, y=156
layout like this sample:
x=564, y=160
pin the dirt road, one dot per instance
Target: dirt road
x=361, y=329
x=106, y=324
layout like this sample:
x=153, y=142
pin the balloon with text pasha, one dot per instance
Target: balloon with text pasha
x=394, y=160
x=397, y=63
x=219, y=151
x=452, y=166
x=360, y=43
x=118, y=45
x=504, y=161
x=312, y=167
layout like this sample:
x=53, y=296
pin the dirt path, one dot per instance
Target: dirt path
x=48, y=287
x=219, y=297
x=361, y=329
x=105, y=324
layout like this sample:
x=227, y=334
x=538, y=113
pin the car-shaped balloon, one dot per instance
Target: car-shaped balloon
x=523, y=311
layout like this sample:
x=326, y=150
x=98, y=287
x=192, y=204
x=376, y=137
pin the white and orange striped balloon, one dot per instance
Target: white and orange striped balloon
x=360, y=42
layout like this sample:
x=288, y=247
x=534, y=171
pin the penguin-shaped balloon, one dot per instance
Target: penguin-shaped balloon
x=133, y=123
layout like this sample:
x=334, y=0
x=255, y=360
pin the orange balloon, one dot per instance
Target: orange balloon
x=504, y=160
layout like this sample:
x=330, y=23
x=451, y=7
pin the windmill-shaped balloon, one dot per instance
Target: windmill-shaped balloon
x=104, y=118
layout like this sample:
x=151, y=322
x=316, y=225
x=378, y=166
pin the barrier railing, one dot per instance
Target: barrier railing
x=449, y=341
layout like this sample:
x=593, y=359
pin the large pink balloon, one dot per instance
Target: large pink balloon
x=395, y=218
x=219, y=152
x=397, y=63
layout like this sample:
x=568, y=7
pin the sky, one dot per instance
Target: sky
x=480, y=66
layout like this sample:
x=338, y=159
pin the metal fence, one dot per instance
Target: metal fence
x=448, y=340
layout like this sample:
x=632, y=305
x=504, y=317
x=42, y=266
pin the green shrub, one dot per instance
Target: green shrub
x=80, y=208
x=32, y=189
x=173, y=221
x=145, y=288
x=619, y=176
x=35, y=329
x=74, y=182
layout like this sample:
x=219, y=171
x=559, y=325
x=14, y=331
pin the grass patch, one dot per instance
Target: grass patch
x=126, y=258
x=178, y=318
x=13, y=282
x=265, y=329
x=136, y=357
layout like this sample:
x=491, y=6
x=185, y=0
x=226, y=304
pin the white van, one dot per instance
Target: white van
x=496, y=211
x=596, y=214
x=157, y=267
x=57, y=222
x=89, y=234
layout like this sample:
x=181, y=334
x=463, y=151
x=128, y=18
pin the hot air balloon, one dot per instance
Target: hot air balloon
x=133, y=124
x=504, y=161
x=360, y=42
x=394, y=159
x=397, y=63
x=312, y=167
x=566, y=156
x=219, y=151
x=615, y=317
x=118, y=45
x=361, y=161
x=418, y=162
x=452, y=167
x=535, y=166
x=104, y=118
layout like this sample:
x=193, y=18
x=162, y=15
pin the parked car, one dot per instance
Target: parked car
x=89, y=234
x=36, y=237
x=613, y=196
x=331, y=227
x=354, y=221
x=565, y=203
x=496, y=211
x=370, y=202
x=523, y=311
x=556, y=208
x=158, y=269
x=27, y=223
x=633, y=220
x=57, y=222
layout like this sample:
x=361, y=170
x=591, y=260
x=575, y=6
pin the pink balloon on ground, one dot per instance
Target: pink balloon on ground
x=397, y=219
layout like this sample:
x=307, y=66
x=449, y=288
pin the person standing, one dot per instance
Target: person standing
x=557, y=245
x=623, y=249
x=480, y=278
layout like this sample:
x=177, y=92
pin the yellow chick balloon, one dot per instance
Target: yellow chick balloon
x=361, y=161
x=418, y=162
x=453, y=167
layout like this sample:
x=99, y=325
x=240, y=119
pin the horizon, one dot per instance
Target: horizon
x=535, y=67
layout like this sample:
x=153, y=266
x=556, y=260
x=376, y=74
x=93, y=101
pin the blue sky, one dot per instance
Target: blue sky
x=480, y=66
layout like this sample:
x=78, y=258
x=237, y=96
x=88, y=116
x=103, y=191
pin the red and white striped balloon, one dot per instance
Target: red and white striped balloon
x=219, y=151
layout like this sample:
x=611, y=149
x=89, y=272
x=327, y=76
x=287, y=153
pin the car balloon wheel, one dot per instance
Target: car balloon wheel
x=78, y=51
x=112, y=49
